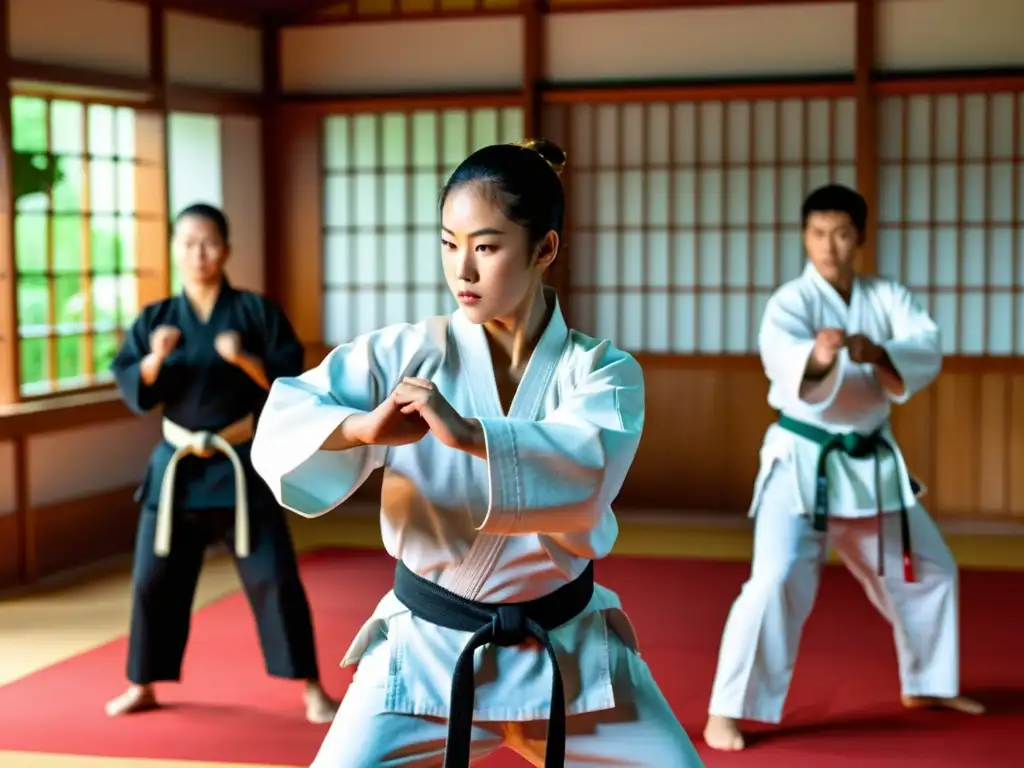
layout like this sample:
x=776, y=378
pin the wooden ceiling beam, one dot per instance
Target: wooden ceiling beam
x=238, y=11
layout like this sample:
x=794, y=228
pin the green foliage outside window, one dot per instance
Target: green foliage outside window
x=74, y=184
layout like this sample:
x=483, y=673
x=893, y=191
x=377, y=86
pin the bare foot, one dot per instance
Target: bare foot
x=138, y=698
x=320, y=708
x=955, y=703
x=723, y=733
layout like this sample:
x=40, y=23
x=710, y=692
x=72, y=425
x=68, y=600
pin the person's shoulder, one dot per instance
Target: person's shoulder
x=257, y=301
x=794, y=289
x=882, y=285
x=157, y=312
x=595, y=354
x=397, y=339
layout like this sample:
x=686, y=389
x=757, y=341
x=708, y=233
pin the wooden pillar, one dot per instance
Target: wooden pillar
x=867, y=126
x=273, y=248
x=9, y=359
x=533, y=123
x=152, y=186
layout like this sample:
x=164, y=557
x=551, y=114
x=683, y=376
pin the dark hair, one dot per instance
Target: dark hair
x=839, y=199
x=211, y=213
x=525, y=176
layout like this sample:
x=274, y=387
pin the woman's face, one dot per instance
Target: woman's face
x=488, y=264
x=200, y=250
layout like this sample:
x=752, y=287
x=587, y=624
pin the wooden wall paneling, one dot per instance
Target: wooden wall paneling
x=297, y=169
x=25, y=528
x=82, y=531
x=11, y=569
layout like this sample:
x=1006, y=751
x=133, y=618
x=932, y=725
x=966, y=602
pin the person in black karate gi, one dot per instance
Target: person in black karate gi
x=207, y=357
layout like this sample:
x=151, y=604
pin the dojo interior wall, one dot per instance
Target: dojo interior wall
x=685, y=201
x=69, y=464
x=761, y=116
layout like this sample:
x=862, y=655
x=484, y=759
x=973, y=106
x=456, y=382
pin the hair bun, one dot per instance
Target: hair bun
x=552, y=154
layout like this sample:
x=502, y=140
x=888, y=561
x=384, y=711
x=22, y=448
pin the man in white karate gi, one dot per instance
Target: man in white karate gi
x=839, y=348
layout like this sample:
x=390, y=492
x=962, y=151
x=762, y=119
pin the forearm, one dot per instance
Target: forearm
x=552, y=478
x=346, y=435
x=473, y=441
x=889, y=377
x=149, y=368
x=815, y=371
x=253, y=368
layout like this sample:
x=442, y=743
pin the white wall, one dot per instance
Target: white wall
x=213, y=53
x=93, y=34
x=455, y=54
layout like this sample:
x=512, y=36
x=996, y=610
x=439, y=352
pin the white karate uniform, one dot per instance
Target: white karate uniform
x=761, y=636
x=512, y=528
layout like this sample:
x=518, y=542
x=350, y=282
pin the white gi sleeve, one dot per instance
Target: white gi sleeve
x=915, y=348
x=560, y=475
x=786, y=341
x=303, y=411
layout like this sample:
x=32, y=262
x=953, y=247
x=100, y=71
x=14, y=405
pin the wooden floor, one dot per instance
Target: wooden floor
x=61, y=621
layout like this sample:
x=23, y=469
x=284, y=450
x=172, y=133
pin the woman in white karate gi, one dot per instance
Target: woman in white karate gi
x=505, y=437
x=838, y=349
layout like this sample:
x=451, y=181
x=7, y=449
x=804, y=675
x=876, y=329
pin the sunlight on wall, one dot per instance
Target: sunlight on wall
x=193, y=167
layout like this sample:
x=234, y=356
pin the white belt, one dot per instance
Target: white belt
x=204, y=445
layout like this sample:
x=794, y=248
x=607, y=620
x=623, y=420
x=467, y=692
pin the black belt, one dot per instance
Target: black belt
x=857, y=446
x=503, y=624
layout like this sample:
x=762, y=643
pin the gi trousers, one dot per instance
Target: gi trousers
x=163, y=589
x=641, y=731
x=762, y=634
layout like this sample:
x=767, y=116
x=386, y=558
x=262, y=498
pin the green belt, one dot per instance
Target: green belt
x=857, y=446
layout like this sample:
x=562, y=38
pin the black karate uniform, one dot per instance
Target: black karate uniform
x=202, y=392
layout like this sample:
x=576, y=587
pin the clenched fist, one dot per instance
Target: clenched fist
x=228, y=345
x=386, y=425
x=827, y=344
x=163, y=340
x=864, y=350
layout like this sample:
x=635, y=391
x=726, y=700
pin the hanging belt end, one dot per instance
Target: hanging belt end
x=908, y=569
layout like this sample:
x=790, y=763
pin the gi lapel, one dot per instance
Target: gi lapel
x=472, y=573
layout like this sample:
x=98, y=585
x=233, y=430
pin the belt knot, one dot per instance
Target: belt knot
x=509, y=626
x=200, y=443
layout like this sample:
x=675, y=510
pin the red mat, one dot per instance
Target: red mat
x=843, y=709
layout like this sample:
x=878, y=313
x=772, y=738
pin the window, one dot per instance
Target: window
x=685, y=217
x=75, y=235
x=951, y=200
x=383, y=175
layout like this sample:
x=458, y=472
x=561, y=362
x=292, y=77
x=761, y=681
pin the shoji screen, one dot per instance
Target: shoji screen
x=382, y=179
x=685, y=216
x=951, y=208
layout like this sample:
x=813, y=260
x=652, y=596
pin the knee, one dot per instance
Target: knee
x=359, y=740
x=942, y=568
x=280, y=585
x=151, y=579
x=770, y=581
